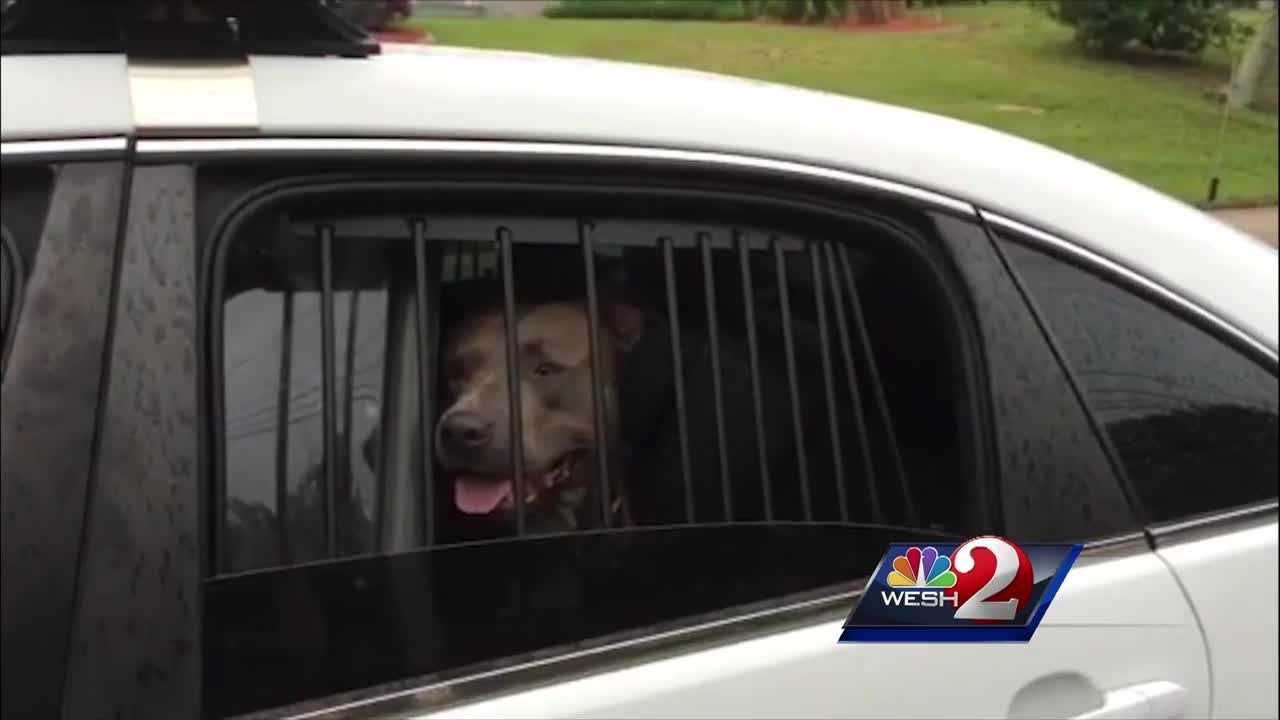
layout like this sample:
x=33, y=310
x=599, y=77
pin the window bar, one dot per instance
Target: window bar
x=327, y=379
x=677, y=362
x=475, y=261
x=587, y=240
x=713, y=334
x=348, y=391
x=753, y=352
x=513, y=375
x=282, y=429
x=837, y=450
x=868, y=358
x=426, y=380
x=859, y=422
x=788, y=340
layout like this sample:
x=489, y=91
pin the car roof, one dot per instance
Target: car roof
x=443, y=92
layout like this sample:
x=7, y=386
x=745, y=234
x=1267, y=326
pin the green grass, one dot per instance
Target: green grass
x=1007, y=66
x=651, y=9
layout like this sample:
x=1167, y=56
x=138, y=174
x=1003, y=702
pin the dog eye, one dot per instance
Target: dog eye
x=546, y=368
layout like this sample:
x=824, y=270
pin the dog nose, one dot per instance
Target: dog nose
x=466, y=431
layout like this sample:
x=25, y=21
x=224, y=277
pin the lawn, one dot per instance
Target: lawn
x=1004, y=65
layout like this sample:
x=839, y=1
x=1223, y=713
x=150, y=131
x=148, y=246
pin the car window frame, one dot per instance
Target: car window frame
x=821, y=186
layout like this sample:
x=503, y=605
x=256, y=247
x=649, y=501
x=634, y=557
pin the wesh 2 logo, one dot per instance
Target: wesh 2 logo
x=983, y=590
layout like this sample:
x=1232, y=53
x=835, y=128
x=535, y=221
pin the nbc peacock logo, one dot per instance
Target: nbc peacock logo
x=984, y=589
x=922, y=568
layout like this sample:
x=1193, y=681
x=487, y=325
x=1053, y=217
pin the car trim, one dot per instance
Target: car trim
x=1177, y=530
x=45, y=149
x=1113, y=542
x=148, y=148
x=1132, y=277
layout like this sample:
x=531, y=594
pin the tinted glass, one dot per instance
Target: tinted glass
x=24, y=204
x=313, y=631
x=276, y=454
x=1056, y=484
x=1193, y=420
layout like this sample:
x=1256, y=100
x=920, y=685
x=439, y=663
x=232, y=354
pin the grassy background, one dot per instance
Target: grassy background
x=652, y=9
x=1004, y=65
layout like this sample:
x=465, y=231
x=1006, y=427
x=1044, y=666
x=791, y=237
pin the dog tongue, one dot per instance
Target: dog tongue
x=480, y=497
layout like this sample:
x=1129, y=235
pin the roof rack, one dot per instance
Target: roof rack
x=180, y=29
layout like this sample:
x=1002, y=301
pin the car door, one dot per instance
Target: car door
x=1120, y=640
x=931, y=407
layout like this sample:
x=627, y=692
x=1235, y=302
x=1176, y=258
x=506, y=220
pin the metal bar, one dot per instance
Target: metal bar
x=282, y=430
x=513, y=374
x=859, y=422
x=788, y=340
x=426, y=381
x=753, y=353
x=833, y=422
x=348, y=391
x=713, y=335
x=328, y=371
x=677, y=362
x=586, y=239
x=475, y=261
x=869, y=360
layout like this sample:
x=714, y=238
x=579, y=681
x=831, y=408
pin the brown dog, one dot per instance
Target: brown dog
x=473, y=438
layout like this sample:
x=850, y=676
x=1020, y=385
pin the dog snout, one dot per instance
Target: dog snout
x=463, y=433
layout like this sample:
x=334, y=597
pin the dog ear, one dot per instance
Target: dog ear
x=625, y=323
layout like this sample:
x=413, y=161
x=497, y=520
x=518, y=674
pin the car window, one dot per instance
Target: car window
x=1056, y=484
x=1192, y=420
x=717, y=408
x=26, y=200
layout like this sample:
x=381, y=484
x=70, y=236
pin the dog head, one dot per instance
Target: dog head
x=553, y=345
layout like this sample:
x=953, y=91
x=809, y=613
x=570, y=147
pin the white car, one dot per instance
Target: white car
x=235, y=255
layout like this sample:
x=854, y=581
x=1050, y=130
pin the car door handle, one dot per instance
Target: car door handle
x=1147, y=701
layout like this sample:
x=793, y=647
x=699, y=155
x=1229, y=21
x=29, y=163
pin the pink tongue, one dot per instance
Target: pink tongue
x=480, y=497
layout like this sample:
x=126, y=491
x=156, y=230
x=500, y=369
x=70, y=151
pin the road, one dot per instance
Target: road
x=1262, y=223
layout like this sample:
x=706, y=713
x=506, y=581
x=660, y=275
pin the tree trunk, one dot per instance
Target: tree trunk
x=1255, y=80
x=878, y=12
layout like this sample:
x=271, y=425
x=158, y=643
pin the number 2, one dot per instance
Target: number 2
x=977, y=607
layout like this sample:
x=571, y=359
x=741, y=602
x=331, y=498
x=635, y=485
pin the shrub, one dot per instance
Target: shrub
x=1183, y=26
x=652, y=9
